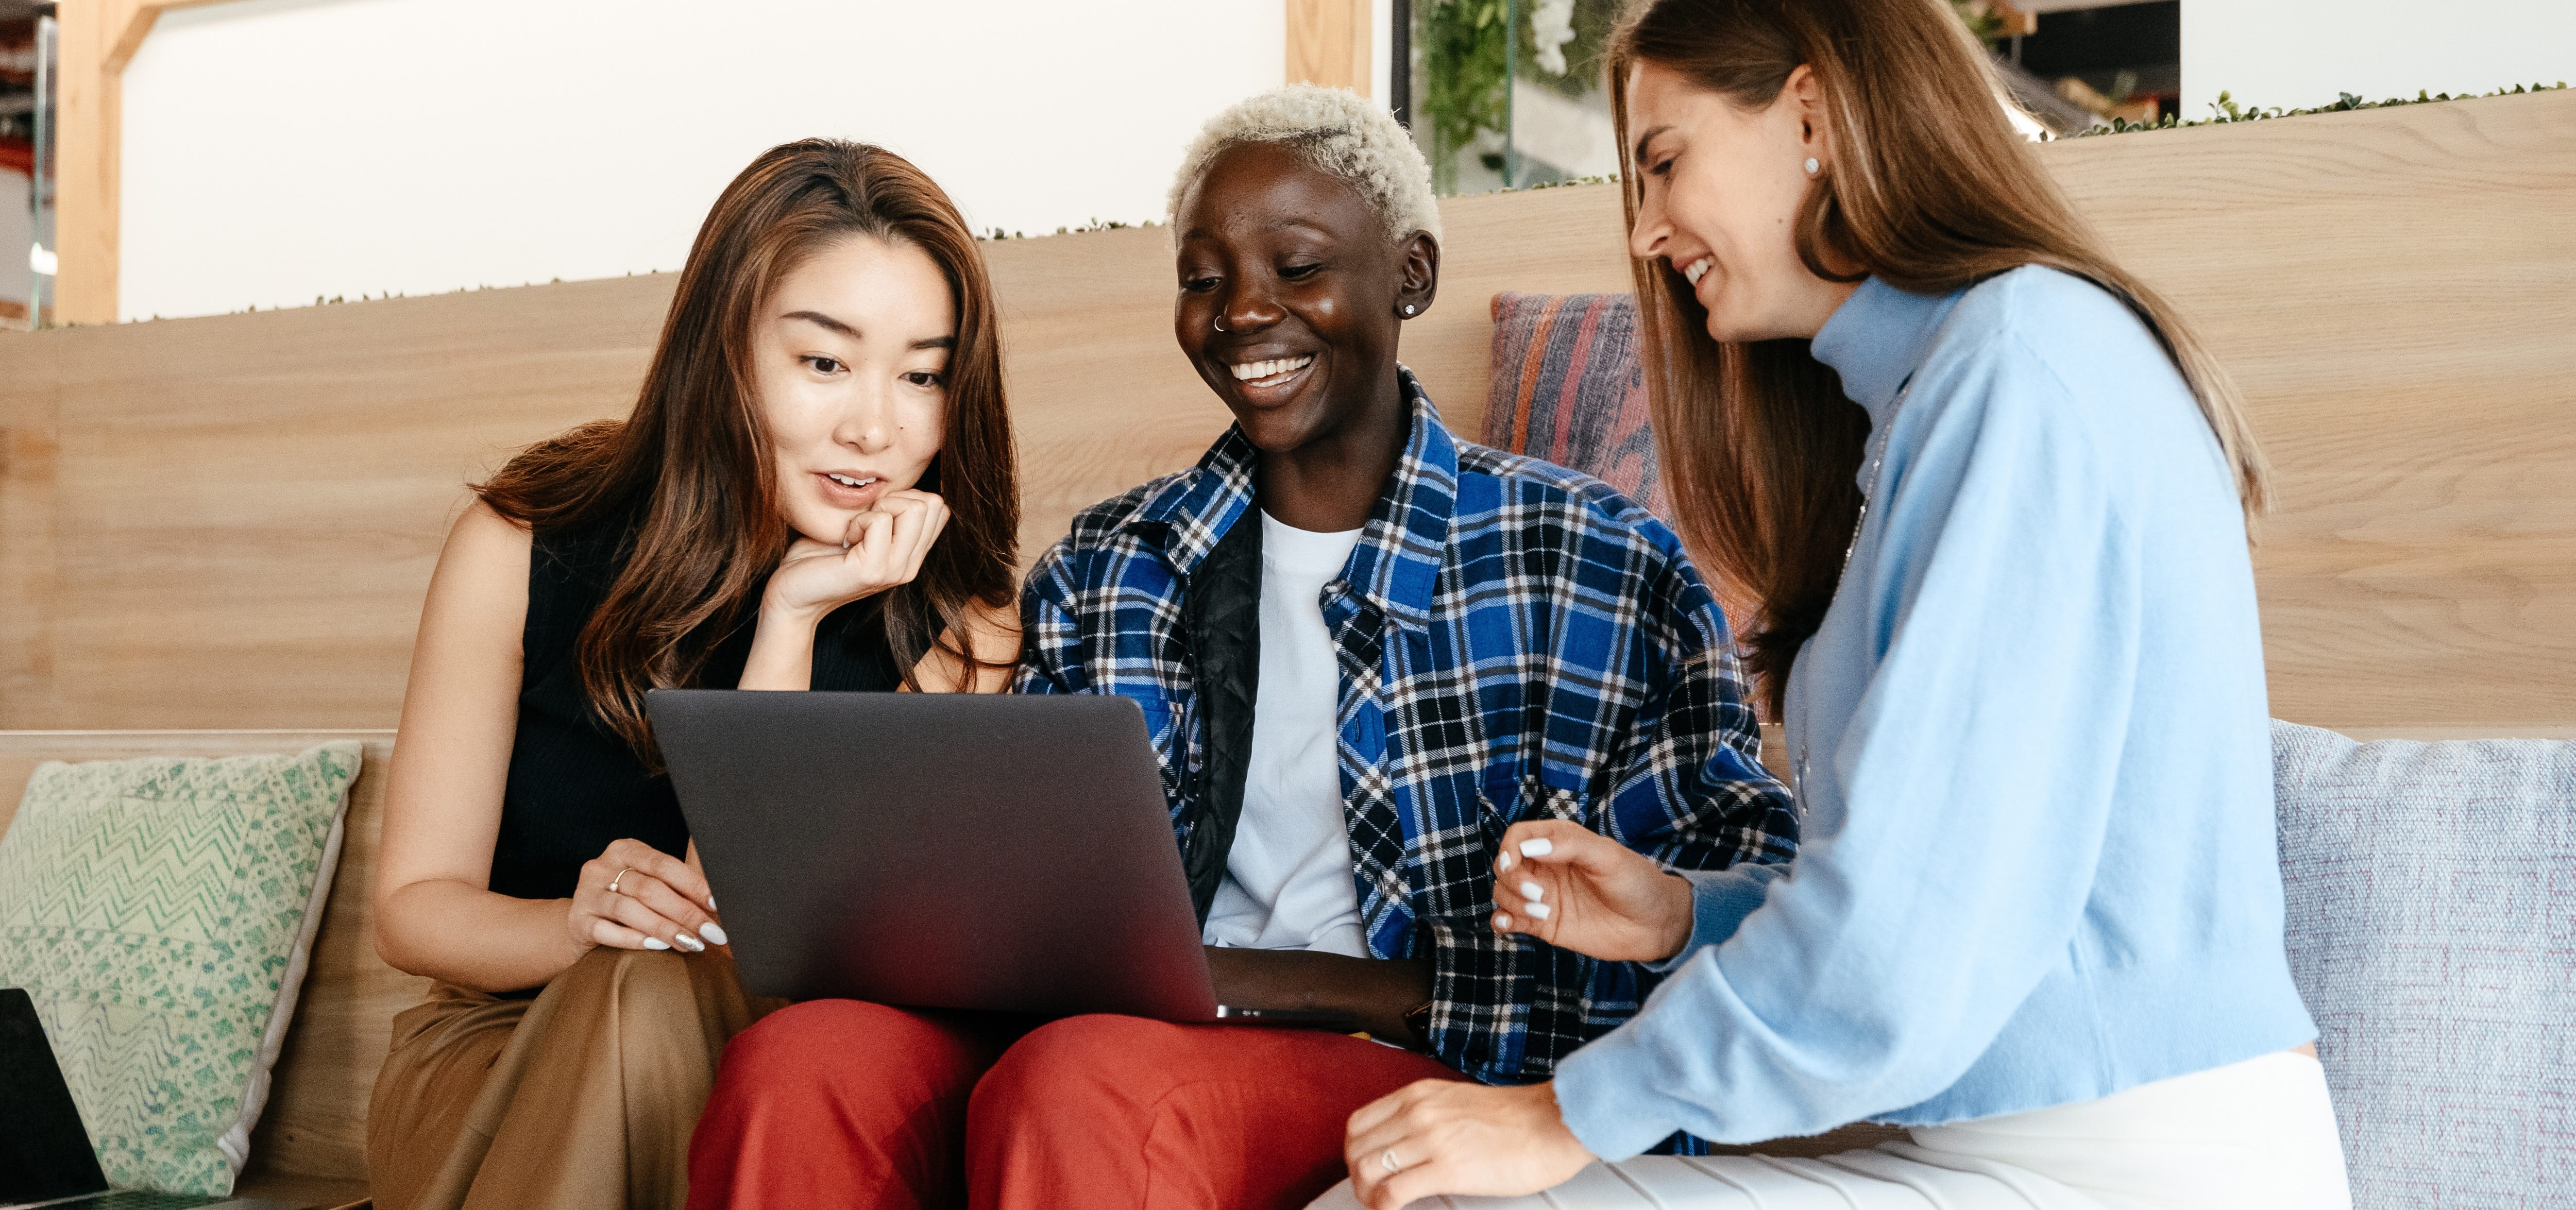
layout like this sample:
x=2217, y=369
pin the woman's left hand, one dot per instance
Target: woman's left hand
x=1444, y=1136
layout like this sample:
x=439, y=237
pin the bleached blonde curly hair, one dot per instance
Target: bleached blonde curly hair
x=1335, y=131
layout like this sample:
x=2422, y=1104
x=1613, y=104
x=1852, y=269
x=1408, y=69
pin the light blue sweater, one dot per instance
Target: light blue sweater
x=2038, y=863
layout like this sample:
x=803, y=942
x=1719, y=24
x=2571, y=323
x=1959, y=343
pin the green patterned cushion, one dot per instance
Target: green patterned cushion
x=160, y=911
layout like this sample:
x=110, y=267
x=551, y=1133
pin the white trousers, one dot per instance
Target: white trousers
x=2260, y=1133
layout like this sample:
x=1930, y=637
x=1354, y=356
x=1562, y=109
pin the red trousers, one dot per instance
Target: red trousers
x=842, y=1103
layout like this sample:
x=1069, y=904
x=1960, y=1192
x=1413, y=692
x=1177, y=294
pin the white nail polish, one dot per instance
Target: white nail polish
x=1505, y=864
x=1537, y=848
x=713, y=932
x=1502, y=920
x=1539, y=910
x=1533, y=891
x=656, y=943
x=711, y=903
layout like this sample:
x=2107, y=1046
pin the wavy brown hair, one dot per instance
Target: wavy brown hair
x=1930, y=190
x=689, y=471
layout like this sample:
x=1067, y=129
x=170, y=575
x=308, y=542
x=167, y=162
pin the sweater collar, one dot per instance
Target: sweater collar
x=1877, y=338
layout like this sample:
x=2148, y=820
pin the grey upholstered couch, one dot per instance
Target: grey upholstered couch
x=2432, y=895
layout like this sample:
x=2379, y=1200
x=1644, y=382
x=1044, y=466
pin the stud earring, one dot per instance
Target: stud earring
x=1812, y=165
x=1408, y=308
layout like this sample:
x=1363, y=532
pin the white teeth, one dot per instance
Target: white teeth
x=1247, y=371
x=846, y=481
x=1698, y=269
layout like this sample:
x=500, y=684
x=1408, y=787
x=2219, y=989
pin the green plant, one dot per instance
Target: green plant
x=1465, y=60
x=1471, y=50
x=1983, y=23
x=2226, y=109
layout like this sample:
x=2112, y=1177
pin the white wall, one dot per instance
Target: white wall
x=2301, y=53
x=276, y=150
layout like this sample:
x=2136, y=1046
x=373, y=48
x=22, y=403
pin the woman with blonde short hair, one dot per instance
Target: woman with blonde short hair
x=1362, y=648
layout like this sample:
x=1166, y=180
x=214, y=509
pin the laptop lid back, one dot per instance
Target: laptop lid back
x=44, y=1149
x=939, y=850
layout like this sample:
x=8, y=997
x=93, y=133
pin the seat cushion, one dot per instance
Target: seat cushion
x=1566, y=389
x=2432, y=930
x=160, y=912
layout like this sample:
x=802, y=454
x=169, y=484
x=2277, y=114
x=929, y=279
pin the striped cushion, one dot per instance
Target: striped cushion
x=1566, y=389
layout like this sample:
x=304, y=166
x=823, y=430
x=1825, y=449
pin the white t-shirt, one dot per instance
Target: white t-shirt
x=1288, y=882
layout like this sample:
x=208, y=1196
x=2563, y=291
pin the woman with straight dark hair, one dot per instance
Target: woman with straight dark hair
x=816, y=490
x=1988, y=501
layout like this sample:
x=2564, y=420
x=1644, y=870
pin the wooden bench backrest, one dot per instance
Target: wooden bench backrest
x=229, y=521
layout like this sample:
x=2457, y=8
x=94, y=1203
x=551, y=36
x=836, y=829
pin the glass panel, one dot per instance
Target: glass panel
x=1509, y=93
x=25, y=38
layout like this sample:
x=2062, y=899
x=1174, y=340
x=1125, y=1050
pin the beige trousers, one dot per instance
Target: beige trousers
x=581, y=1099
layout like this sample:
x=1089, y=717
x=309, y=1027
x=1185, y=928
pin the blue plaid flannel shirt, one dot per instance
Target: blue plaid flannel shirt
x=1517, y=641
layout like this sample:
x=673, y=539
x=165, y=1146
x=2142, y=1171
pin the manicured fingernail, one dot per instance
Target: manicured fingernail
x=689, y=943
x=713, y=932
x=1502, y=920
x=656, y=943
x=711, y=903
x=1537, y=848
x=1539, y=910
x=1506, y=863
x=1532, y=890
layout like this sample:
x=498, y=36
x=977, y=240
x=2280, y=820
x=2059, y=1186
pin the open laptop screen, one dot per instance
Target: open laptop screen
x=44, y=1151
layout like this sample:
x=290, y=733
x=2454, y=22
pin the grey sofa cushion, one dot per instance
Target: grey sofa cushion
x=2432, y=930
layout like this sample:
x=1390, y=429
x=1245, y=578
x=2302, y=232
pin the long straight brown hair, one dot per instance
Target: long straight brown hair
x=691, y=466
x=1930, y=190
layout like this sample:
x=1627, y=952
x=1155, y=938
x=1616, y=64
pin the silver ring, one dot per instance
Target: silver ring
x=1386, y=1159
x=1218, y=323
x=621, y=877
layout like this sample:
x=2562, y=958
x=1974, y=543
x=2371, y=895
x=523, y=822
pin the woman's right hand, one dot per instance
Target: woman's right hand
x=882, y=548
x=1576, y=889
x=659, y=904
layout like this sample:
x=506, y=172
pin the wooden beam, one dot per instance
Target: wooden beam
x=132, y=21
x=97, y=39
x=87, y=125
x=1328, y=44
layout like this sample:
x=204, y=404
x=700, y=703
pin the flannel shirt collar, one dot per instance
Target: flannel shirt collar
x=1396, y=564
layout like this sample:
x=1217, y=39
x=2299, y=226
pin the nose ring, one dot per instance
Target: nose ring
x=1220, y=323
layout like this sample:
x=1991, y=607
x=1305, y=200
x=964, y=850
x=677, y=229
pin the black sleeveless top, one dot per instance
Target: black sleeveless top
x=575, y=785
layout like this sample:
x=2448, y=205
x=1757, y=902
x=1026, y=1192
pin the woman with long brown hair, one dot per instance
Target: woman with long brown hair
x=815, y=490
x=1988, y=500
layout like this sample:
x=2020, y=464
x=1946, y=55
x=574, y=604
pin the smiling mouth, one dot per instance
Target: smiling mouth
x=848, y=482
x=1270, y=373
x=1698, y=269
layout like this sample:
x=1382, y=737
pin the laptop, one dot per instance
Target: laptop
x=930, y=850
x=45, y=1155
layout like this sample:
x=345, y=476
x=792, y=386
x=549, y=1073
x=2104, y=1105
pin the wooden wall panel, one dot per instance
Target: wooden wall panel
x=2395, y=291
x=249, y=506
x=242, y=511
x=29, y=394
